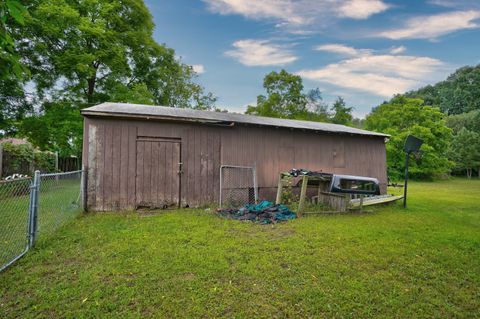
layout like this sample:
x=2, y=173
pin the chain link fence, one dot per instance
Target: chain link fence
x=36, y=207
x=14, y=219
x=59, y=200
x=238, y=186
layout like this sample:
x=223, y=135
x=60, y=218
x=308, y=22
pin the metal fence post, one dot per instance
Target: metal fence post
x=255, y=186
x=221, y=183
x=30, y=214
x=33, y=209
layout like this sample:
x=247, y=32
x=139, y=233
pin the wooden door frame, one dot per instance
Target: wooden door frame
x=176, y=140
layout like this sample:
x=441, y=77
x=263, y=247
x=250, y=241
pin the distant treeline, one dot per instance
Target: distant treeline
x=445, y=115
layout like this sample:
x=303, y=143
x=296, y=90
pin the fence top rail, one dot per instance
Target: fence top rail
x=60, y=174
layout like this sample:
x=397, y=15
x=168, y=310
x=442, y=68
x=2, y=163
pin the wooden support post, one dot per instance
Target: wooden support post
x=278, y=200
x=361, y=203
x=319, y=193
x=303, y=195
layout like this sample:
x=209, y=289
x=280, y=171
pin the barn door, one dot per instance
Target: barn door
x=158, y=173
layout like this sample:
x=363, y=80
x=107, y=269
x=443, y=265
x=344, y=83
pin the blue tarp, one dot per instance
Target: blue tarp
x=264, y=212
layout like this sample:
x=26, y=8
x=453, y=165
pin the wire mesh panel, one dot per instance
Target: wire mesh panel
x=59, y=200
x=14, y=219
x=238, y=186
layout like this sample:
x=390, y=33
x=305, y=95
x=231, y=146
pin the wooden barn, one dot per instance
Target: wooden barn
x=141, y=155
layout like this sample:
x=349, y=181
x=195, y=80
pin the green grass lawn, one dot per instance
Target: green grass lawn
x=423, y=262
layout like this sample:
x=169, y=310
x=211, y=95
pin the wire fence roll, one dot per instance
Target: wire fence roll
x=238, y=186
x=32, y=208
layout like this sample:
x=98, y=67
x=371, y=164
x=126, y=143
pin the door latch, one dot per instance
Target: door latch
x=180, y=168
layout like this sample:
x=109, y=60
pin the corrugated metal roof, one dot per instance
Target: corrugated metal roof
x=179, y=114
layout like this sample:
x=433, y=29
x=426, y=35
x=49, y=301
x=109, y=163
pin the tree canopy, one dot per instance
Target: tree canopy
x=82, y=53
x=404, y=116
x=469, y=120
x=285, y=98
x=13, y=74
x=12, y=15
x=465, y=150
x=104, y=50
x=341, y=113
x=459, y=93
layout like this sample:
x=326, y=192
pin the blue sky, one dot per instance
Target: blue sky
x=362, y=50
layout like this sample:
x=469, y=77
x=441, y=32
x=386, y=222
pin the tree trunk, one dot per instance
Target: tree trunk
x=91, y=88
x=92, y=81
x=469, y=173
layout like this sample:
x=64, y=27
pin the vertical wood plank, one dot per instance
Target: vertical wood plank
x=203, y=167
x=162, y=186
x=191, y=167
x=108, y=170
x=183, y=177
x=124, y=167
x=100, y=177
x=132, y=166
x=92, y=163
x=217, y=148
x=197, y=175
x=116, y=166
x=303, y=195
x=155, y=173
x=170, y=172
x=147, y=172
x=176, y=176
x=139, y=178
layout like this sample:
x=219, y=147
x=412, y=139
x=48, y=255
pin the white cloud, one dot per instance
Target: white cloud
x=354, y=52
x=278, y=9
x=342, y=49
x=251, y=52
x=398, y=50
x=463, y=4
x=198, y=68
x=431, y=27
x=295, y=14
x=381, y=75
x=361, y=9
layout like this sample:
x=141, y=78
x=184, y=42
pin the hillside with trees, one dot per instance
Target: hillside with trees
x=453, y=104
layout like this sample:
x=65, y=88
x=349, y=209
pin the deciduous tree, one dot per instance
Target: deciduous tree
x=12, y=15
x=285, y=98
x=404, y=116
x=465, y=150
x=86, y=52
x=341, y=113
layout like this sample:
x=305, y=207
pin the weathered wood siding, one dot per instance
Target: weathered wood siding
x=110, y=155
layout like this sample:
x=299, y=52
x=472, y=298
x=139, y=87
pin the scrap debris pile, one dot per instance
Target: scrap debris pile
x=265, y=212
